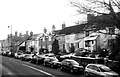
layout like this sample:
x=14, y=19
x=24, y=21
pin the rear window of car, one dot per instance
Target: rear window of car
x=96, y=68
x=74, y=62
x=105, y=69
x=27, y=55
x=53, y=60
x=90, y=66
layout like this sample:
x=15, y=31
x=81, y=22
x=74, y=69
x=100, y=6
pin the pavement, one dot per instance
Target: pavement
x=16, y=68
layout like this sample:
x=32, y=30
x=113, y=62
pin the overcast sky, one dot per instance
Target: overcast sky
x=34, y=15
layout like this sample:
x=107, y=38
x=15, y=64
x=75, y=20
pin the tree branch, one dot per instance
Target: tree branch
x=82, y=9
x=116, y=4
x=95, y=7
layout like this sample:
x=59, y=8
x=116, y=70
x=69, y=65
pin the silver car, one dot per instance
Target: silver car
x=99, y=70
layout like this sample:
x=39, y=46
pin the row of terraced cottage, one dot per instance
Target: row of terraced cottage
x=89, y=36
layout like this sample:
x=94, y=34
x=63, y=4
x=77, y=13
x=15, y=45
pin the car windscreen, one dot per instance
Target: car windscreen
x=53, y=59
x=105, y=69
x=37, y=56
x=26, y=55
x=74, y=62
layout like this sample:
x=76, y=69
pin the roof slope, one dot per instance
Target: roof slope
x=73, y=29
x=23, y=39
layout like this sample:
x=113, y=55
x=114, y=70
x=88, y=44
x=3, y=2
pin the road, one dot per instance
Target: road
x=16, y=68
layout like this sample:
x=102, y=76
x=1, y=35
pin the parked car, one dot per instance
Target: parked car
x=52, y=62
x=18, y=55
x=72, y=66
x=21, y=56
x=4, y=53
x=99, y=70
x=40, y=58
x=27, y=57
x=48, y=55
x=9, y=54
x=67, y=56
x=36, y=59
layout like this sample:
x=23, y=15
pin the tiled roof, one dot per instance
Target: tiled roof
x=23, y=39
x=99, y=26
x=101, y=22
x=73, y=29
x=34, y=37
x=56, y=32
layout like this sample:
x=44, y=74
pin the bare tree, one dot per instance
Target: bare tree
x=99, y=7
x=105, y=8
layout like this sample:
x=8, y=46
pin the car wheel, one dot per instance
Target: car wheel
x=31, y=61
x=52, y=66
x=86, y=74
x=71, y=71
x=44, y=64
x=36, y=62
x=61, y=68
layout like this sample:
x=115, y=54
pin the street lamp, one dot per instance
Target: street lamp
x=11, y=28
x=10, y=35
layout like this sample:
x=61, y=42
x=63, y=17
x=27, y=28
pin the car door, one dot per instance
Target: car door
x=50, y=62
x=46, y=61
x=90, y=70
x=68, y=65
x=64, y=63
x=96, y=72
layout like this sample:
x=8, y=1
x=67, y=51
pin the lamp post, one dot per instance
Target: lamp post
x=10, y=36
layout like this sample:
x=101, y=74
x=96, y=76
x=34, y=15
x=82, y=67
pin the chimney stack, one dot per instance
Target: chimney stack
x=26, y=32
x=63, y=25
x=31, y=33
x=45, y=30
x=16, y=33
x=20, y=34
x=90, y=18
x=53, y=28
